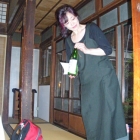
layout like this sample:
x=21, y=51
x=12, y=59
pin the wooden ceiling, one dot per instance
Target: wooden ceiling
x=45, y=13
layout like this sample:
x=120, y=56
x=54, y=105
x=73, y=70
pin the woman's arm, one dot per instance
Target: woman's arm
x=103, y=44
x=98, y=36
x=91, y=51
x=96, y=51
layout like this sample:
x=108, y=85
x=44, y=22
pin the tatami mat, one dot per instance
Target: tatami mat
x=51, y=132
x=16, y=121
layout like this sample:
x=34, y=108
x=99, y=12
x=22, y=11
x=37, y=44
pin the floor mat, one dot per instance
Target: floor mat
x=51, y=132
x=16, y=121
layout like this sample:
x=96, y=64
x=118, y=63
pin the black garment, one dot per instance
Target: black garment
x=96, y=34
x=101, y=105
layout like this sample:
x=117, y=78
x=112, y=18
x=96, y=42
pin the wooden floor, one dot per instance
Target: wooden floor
x=51, y=132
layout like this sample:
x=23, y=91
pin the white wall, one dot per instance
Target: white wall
x=35, y=78
x=14, y=76
x=44, y=102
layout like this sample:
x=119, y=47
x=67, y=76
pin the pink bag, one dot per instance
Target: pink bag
x=27, y=131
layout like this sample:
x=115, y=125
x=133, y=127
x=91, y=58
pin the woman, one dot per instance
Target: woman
x=101, y=105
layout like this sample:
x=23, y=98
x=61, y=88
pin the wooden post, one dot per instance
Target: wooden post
x=27, y=59
x=136, y=51
x=7, y=81
x=52, y=76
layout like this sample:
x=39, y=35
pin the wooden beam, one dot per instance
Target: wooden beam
x=16, y=19
x=7, y=81
x=9, y=130
x=111, y=6
x=81, y=4
x=99, y=5
x=52, y=75
x=136, y=60
x=3, y=28
x=27, y=59
x=39, y=3
x=4, y=1
x=122, y=64
x=46, y=43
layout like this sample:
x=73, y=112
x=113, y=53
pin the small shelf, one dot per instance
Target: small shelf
x=17, y=102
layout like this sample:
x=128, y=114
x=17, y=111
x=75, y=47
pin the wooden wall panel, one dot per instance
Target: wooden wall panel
x=61, y=118
x=76, y=124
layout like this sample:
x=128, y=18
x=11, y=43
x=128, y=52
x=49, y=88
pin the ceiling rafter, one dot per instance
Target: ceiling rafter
x=39, y=3
x=49, y=11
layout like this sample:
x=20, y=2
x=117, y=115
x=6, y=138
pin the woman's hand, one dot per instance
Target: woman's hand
x=71, y=77
x=92, y=51
x=82, y=47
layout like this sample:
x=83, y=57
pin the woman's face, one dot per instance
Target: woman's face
x=73, y=22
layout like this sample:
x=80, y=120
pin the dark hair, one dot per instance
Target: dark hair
x=61, y=17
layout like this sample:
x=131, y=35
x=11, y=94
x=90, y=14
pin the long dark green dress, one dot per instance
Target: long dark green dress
x=101, y=105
